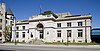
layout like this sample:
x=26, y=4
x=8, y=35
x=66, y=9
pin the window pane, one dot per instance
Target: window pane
x=23, y=27
x=0, y=27
x=0, y=20
x=79, y=23
x=58, y=30
x=69, y=33
x=17, y=28
x=31, y=35
x=58, y=33
x=80, y=33
x=69, y=24
x=23, y=34
x=58, y=24
x=17, y=34
x=10, y=22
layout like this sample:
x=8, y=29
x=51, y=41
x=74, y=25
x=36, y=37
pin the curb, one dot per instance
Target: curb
x=29, y=45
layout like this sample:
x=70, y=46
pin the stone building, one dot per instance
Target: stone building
x=48, y=28
x=5, y=20
x=65, y=28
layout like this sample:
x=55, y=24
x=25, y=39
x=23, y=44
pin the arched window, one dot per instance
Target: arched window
x=40, y=27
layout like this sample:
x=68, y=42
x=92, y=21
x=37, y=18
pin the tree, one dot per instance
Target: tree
x=7, y=33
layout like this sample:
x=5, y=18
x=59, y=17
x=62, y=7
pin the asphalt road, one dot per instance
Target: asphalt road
x=44, y=48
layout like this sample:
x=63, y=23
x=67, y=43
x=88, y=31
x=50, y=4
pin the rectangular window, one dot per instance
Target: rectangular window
x=58, y=33
x=69, y=24
x=1, y=20
x=17, y=27
x=0, y=27
x=58, y=24
x=0, y=13
x=23, y=34
x=10, y=22
x=69, y=33
x=6, y=21
x=80, y=33
x=23, y=27
x=79, y=23
x=0, y=34
x=31, y=35
x=17, y=34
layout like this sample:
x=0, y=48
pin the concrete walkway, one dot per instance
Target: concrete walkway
x=47, y=45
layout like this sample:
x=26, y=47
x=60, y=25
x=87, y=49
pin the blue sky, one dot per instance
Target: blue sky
x=23, y=9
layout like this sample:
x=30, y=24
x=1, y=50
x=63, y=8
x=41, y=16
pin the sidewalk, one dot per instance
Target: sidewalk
x=47, y=45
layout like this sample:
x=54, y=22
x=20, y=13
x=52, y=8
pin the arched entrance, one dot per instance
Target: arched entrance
x=41, y=30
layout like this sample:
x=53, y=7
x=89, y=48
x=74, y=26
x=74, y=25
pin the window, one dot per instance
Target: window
x=80, y=33
x=17, y=27
x=41, y=35
x=0, y=34
x=23, y=34
x=23, y=27
x=69, y=24
x=31, y=35
x=17, y=34
x=0, y=27
x=58, y=24
x=0, y=13
x=0, y=20
x=69, y=33
x=79, y=23
x=6, y=21
x=58, y=33
x=10, y=22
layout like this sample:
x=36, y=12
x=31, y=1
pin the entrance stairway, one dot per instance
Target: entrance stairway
x=36, y=42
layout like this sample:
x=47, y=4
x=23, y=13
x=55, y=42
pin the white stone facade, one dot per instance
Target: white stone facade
x=5, y=20
x=2, y=20
x=46, y=28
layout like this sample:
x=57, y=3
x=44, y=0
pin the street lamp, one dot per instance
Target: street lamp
x=14, y=21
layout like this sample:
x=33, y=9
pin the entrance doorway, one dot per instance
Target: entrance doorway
x=41, y=30
x=41, y=34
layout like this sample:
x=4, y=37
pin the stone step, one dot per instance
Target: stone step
x=36, y=41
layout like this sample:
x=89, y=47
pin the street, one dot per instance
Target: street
x=45, y=48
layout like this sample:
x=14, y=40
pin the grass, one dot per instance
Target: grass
x=59, y=43
x=17, y=42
